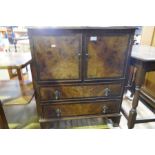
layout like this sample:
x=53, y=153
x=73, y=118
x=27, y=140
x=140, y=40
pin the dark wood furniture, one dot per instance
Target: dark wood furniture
x=3, y=121
x=143, y=58
x=15, y=61
x=79, y=72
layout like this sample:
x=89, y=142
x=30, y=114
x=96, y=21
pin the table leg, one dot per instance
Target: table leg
x=140, y=76
x=132, y=88
x=10, y=73
x=20, y=75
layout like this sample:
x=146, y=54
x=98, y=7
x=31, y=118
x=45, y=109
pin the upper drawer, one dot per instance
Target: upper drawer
x=76, y=92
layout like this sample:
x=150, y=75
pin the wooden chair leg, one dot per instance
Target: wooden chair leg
x=3, y=121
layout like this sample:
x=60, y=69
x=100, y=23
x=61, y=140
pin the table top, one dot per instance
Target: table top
x=12, y=91
x=143, y=52
x=14, y=59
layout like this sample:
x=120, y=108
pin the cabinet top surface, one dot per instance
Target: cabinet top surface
x=85, y=27
x=143, y=52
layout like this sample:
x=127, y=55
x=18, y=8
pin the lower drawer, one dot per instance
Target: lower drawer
x=79, y=109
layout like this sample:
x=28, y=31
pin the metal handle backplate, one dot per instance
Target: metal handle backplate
x=57, y=94
x=106, y=91
x=58, y=112
x=104, y=109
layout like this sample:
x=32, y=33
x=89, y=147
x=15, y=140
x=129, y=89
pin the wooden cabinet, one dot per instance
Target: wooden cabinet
x=79, y=72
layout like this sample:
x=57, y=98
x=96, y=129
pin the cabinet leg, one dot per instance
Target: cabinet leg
x=42, y=126
x=116, y=121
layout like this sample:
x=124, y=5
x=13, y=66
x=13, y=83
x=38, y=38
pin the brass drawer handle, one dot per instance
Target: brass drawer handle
x=79, y=54
x=106, y=91
x=104, y=109
x=57, y=94
x=58, y=112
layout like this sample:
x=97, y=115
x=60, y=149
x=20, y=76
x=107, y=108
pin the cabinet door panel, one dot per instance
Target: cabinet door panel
x=58, y=57
x=106, y=55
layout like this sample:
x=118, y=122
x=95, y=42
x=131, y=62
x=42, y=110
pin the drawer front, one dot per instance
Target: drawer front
x=75, y=92
x=79, y=109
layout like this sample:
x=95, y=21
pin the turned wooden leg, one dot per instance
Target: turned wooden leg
x=132, y=88
x=140, y=76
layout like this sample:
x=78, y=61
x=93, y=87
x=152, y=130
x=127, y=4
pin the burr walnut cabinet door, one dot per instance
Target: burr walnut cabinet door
x=75, y=92
x=58, y=56
x=106, y=55
x=79, y=109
